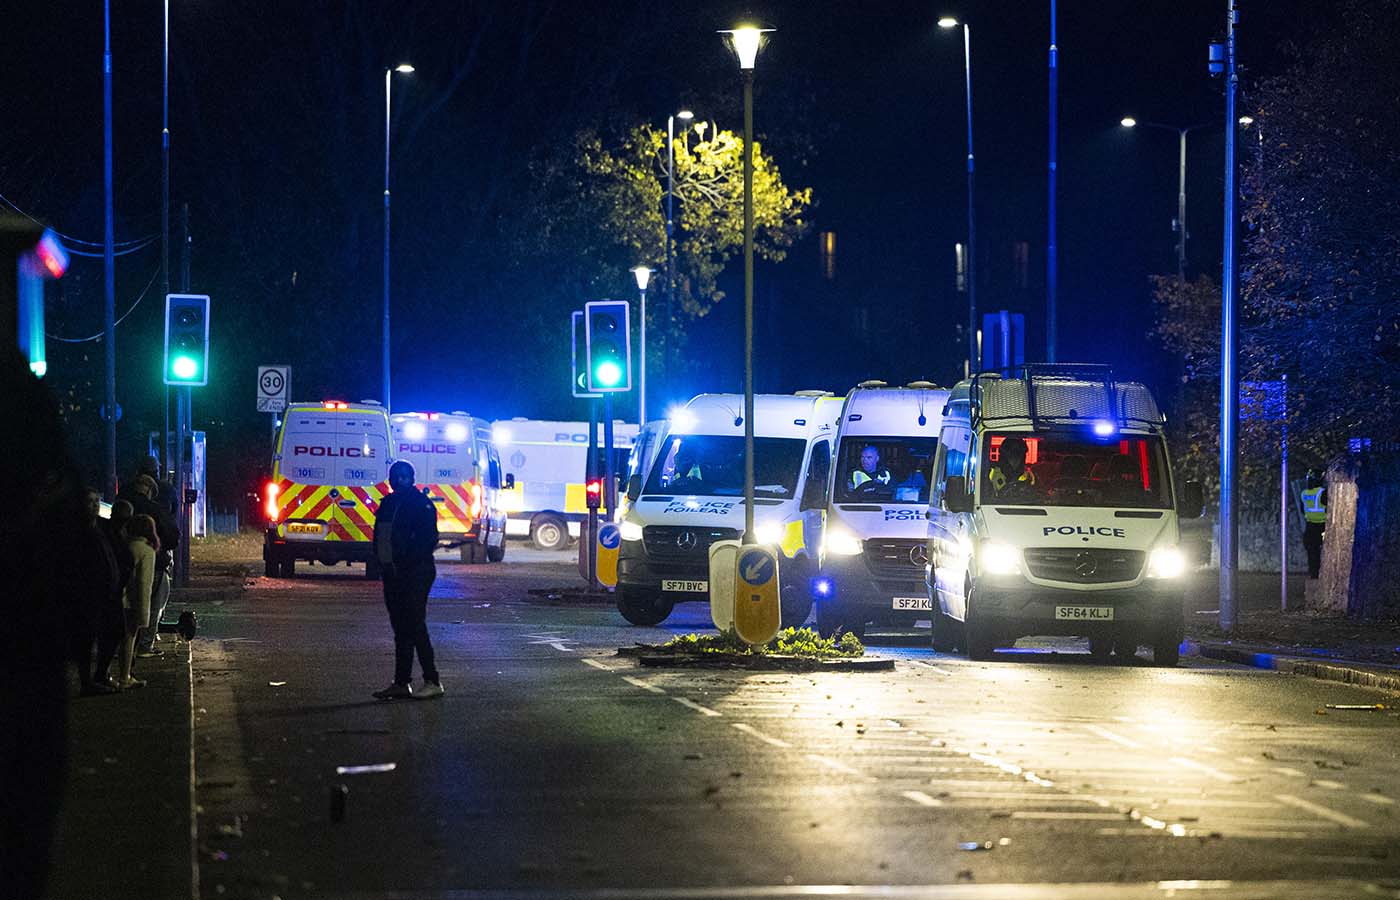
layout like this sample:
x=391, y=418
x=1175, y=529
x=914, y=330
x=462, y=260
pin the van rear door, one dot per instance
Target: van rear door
x=333, y=467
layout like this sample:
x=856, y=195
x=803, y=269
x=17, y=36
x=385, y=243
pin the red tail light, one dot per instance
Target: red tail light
x=270, y=504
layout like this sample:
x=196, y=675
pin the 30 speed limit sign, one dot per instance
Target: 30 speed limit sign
x=273, y=385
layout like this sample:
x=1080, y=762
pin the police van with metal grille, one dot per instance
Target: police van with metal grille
x=693, y=495
x=1054, y=512
x=330, y=469
x=874, y=547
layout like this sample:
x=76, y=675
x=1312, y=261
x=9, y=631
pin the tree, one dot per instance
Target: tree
x=1322, y=202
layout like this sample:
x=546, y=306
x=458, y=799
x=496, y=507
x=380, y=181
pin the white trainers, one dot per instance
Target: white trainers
x=429, y=691
x=396, y=691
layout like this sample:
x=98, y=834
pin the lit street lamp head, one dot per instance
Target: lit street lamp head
x=1128, y=122
x=947, y=22
x=643, y=275
x=405, y=68
x=746, y=40
x=685, y=115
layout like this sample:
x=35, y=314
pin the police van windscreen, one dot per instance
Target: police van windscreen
x=340, y=448
x=884, y=469
x=713, y=466
x=1075, y=469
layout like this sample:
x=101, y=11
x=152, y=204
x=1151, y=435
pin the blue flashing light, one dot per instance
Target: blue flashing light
x=823, y=588
x=1104, y=429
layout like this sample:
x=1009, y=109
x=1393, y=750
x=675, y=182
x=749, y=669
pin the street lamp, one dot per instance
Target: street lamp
x=1130, y=122
x=643, y=275
x=746, y=41
x=684, y=115
x=948, y=23
x=405, y=69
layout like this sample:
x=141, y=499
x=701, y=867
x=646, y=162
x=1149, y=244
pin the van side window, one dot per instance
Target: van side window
x=493, y=469
x=818, y=472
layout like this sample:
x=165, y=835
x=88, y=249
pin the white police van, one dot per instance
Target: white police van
x=875, y=545
x=693, y=495
x=547, y=499
x=1053, y=511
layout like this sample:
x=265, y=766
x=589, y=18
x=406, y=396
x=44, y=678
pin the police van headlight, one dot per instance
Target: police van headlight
x=1166, y=562
x=840, y=542
x=768, y=533
x=999, y=558
x=631, y=531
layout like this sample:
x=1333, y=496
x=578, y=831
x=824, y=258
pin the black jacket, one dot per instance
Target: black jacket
x=411, y=520
x=166, y=527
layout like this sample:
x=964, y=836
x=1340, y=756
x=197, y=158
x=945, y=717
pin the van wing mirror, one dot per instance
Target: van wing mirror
x=955, y=495
x=510, y=481
x=634, y=488
x=1192, y=504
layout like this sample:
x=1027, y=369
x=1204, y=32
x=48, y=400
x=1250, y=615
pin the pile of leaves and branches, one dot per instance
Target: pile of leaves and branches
x=799, y=642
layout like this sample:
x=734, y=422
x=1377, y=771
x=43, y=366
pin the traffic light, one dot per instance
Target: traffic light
x=578, y=384
x=593, y=493
x=187, y=339
x=608, y=337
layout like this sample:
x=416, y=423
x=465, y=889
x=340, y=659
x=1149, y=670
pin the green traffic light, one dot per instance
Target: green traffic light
x=608, y=373
x=184, y=367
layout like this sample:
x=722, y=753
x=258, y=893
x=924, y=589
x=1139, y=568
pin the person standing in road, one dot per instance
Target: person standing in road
x=1314, y=521
x=405, y=536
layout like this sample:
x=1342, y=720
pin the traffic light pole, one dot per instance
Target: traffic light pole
x=590, y=472
x=182, y=551
x=609, y=482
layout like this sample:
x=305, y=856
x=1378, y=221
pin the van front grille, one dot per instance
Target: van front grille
x=1087, y=565
x=683, y=542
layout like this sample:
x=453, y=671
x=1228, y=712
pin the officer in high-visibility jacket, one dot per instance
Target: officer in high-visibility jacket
x=1314, y=521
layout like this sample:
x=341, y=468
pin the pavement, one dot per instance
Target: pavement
x=127, y=827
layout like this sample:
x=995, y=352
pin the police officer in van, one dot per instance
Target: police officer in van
x=405, y=536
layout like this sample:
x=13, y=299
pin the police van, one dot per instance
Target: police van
x=692, y=495
x=549, y=461
x=874, y=546
x=1054, y=511
x=459, y=469
x=330, y=468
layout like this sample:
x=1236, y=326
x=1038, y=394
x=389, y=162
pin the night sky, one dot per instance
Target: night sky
x=277, y=131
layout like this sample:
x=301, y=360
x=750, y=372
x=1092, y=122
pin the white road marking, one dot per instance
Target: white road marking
x=1291, y=773
x=838, y=766
x=1204, y=769
x=637, y=682
x=691, y=704
x=589, y=661
x=772, y=741
x=1321, y=811
x=1113, y=736
x=549, y=638
x=920, y=663
x=1378, y=799
x=922, y=799
x=1330, y=785
x=1072, y=816
x=1247, y=760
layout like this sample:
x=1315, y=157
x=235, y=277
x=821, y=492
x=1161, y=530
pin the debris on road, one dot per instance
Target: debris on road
x=276, y=684
x=366, y=770
x=1366, y=706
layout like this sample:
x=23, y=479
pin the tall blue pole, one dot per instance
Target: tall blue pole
x=165, y=210
x=1229, y=354
x=972, y=357
x=388, y=73
x=1052, y=261
x=109, y=269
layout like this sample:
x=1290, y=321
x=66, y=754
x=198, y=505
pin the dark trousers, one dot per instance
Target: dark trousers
x=1312, y=542
x=406, y=596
